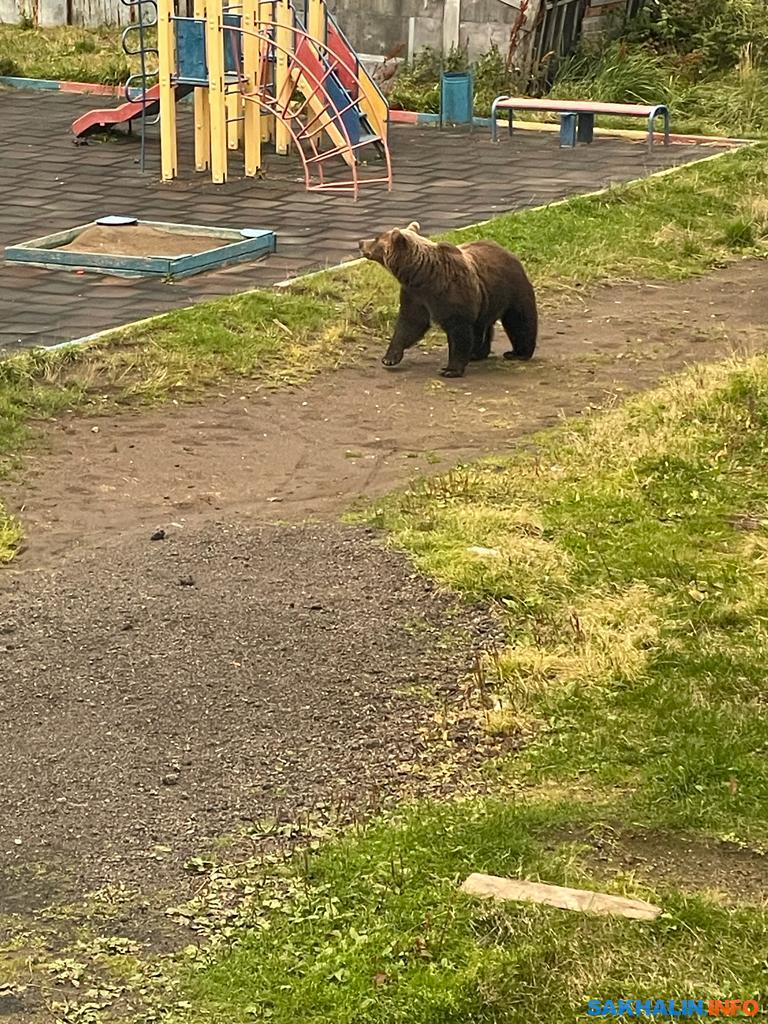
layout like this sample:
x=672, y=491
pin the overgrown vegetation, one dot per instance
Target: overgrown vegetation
x=667, y=227
x=731, y=102
x=417, y=84
x=629, y=556
x=705, y=58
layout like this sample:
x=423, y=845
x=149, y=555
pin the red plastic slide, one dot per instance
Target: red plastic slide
x=341, y=49
x=96, y=119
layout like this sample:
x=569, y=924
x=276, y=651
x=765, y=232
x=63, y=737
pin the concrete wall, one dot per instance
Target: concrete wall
x=378, y=25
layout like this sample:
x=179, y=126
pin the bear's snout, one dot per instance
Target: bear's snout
x=365, y=245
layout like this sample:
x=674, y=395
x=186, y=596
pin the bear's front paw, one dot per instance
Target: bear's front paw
x=451, y=371
x=392, y=359
x=513, y=356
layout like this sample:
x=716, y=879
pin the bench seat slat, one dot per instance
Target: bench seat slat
x=577, y=106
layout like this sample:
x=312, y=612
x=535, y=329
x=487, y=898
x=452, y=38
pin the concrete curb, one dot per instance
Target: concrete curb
x=50, y=85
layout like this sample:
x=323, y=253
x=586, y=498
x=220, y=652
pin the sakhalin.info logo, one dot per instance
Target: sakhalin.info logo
x=661, y=1008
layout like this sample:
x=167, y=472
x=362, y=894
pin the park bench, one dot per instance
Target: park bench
x=577, y=117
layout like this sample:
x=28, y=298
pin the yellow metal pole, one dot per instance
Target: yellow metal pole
x=284, y=47
x=202, y=113
x=234, y=115
x=316, y=22
x=252, y=76
x=216, y=95
x=266, y=21
x=165, y=55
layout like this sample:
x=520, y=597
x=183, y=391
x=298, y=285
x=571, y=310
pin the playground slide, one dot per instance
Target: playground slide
x=125, y=113
x=342, y=90
x=373, y=107
x=309, y=69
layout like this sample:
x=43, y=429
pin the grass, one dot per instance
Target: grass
x=66, y=54
x=666, y=227
x=639, y=611
x=631, y=569
x=729, y=102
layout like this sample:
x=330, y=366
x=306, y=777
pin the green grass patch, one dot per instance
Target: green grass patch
x=65, y=54
x=375, y=931
x=628, y=554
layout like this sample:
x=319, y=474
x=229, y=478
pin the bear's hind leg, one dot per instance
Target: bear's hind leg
x=481, y=347
x=461, y=338
x=412, y=324
x=521, y=327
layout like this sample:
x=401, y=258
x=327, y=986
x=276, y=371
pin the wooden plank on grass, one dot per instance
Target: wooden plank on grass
x=493, y=887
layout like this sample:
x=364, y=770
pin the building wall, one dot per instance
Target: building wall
x=600, y=14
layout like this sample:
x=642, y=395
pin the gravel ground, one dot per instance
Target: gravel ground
x=157, y=693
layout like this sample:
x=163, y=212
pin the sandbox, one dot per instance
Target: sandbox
x=132, y=247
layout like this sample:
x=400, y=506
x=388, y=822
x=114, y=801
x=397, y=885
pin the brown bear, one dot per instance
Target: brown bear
x=463, y=288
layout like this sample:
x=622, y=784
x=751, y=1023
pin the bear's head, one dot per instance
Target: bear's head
x=384, y=248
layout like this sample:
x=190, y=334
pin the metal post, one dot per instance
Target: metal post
x=216, y=94
x=166, y=61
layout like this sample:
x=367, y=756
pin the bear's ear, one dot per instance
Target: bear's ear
x=396, y=236
x=415, y=227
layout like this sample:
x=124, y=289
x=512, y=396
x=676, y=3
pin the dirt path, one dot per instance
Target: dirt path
x=156, y=695
x=290, y=456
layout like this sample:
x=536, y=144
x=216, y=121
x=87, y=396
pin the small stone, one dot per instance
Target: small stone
x=187, y=581
x=158, y=535
x=171, y=779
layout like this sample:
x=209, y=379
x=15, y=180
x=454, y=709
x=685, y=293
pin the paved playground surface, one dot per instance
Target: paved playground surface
x=445, y=178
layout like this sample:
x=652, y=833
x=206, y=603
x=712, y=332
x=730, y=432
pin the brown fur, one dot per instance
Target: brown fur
x=463, y=288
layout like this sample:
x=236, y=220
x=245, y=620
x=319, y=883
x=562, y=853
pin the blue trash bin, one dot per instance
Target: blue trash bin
x=456, y=97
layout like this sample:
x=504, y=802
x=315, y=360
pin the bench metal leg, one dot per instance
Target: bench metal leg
x=495, y=118
x=585, y=130
x=660, y=111
x=568, y=131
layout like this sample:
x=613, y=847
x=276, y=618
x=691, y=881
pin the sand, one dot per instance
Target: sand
x=141, y=240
